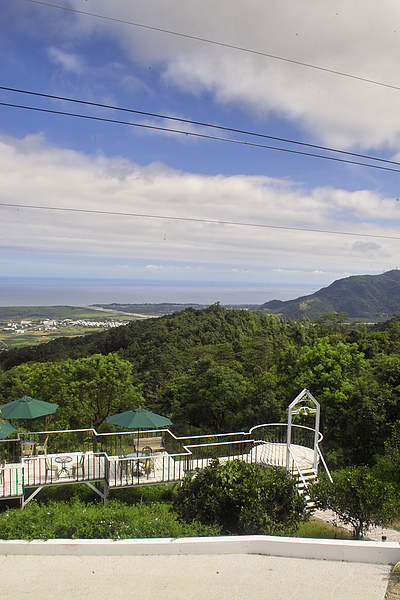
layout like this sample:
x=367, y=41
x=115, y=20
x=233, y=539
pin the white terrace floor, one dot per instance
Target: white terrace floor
x=116, y=472
x=204, y=577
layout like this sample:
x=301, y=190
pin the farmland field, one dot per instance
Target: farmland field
x=27, y=325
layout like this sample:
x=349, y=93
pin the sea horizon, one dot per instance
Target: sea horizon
x=51, y=291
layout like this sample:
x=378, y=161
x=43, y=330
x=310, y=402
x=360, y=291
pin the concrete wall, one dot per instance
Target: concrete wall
x=337, y=550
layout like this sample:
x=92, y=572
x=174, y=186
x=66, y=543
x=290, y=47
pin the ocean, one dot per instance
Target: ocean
x=50, y=291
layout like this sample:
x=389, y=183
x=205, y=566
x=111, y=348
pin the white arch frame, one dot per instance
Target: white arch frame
x=304, y=396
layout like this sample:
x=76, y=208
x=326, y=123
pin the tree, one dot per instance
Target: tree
x=357, y=497
x=388, y=465
x=86, y=389
x=342, y=380
x=242, y=498
x=101, y=385
x=208, y=397
x=263, y=401
x=331, y=324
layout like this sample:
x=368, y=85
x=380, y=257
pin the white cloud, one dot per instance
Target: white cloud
x=68, y=61
x=36, y=173
x=169, y=127
x=369, y=248
x=171, y=268
x=359, y=39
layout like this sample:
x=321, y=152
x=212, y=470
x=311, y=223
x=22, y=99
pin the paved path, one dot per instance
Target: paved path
x=374, y=533
x=180, y=577
x=203, y=577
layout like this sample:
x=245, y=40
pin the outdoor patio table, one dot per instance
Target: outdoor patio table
x=63, y=460
x=139, y=456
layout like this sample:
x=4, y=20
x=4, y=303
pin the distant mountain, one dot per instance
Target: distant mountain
x=359, y=296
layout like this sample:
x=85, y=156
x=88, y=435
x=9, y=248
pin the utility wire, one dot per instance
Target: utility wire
x=195, y=220
x=222, y=44
x=199, y=123
x=198, y=135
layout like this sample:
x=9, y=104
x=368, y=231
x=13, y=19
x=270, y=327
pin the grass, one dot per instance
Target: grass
x=145, y=512
x=315, y=528
x=77, y=514
x=31, y=338
x=395, y=523
x=80, y=520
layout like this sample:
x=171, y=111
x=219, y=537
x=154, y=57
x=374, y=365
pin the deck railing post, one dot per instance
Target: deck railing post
x=288, y=439
x=316, y=435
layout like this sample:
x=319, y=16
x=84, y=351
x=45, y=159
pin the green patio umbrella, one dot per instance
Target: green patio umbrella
x=27, y=408
x=139, y=418
x=5, y=428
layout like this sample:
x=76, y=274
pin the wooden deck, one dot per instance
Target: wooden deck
x=116, y=472
x=105, y=460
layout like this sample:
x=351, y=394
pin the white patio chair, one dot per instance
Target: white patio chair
x=51, y=467
x=148, y=467
x=27, y=449
x=125, y=466
x=43, y=448
x=79, y=466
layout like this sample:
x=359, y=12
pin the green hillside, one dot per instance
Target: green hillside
x=219, y=370
x=359, y=296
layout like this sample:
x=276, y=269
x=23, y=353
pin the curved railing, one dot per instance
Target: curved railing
x=266, y=444
x=276, y=433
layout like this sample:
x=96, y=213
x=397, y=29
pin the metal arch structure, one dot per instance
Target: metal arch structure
x=299, y=406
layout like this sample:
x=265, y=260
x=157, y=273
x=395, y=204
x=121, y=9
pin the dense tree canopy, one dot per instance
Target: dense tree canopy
x=87, y=390
x=217, y=370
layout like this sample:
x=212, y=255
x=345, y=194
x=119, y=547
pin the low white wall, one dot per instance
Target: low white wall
x=339, y=550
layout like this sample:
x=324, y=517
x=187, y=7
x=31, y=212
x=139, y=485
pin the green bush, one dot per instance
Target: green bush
x=77, y=519
x=241, y=498
x=357, y=497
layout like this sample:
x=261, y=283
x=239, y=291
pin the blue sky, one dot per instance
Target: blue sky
x=240, y=213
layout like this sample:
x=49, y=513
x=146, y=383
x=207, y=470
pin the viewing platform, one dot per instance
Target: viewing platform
x=105, y=461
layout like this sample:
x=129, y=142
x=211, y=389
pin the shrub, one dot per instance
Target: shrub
x=241, y=498
x=77, y=519
x=357, y=497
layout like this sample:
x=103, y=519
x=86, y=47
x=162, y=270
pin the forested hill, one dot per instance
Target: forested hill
x=159, y=339
x=225, y=347
x=360, y=297
x=219, y=370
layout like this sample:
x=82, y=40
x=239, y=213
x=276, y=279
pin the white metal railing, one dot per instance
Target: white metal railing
x=324, y=464
x=277, y=433
x=11, y=481
x=299, y=471
x=265, y=443
x=85, y=439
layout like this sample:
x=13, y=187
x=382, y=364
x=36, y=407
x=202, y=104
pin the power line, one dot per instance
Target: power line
x=199, y=123
x=196, y=220
x=198, y=135
x=222, y=44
